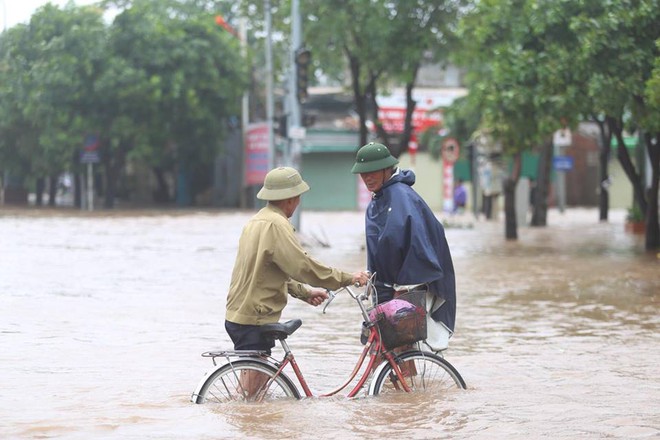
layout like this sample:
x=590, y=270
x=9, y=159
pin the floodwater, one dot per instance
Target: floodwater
x=103, y=318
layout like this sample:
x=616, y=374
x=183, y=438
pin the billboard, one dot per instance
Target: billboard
x=428, y=108
x=256, y=153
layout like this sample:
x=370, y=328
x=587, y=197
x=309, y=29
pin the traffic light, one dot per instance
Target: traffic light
x=281, y=128
x=308, y=120
x=303, y=59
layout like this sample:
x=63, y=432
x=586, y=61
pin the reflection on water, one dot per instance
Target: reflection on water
x=103, y=318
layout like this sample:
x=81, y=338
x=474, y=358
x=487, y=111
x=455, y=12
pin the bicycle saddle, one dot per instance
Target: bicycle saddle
x=280, y=330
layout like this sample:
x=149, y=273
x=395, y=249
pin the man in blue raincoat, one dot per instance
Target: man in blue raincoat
x=406, y=243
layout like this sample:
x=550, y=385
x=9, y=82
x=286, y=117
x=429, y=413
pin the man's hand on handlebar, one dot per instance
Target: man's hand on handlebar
x=317, y=296
x=360, y=278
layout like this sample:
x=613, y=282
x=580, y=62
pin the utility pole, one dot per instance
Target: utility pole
x=561, y=139
x=294, y=119
x=270, y=108
x=245, y=115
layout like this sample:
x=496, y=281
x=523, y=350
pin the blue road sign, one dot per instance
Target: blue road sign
x=562, y=163
x=90, y=151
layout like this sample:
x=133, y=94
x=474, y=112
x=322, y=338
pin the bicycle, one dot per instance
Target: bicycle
x=411, y=370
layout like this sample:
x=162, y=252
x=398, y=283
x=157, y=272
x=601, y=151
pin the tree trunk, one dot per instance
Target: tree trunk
x=603, y=190
x=652, y=227
x=410, y=110
x=40, y=187
x=616, y=128
x=52, y=190
x=358, y=96
x=77, y=190
x=380, y=130
x=540, y=202
x=161, y=193
x=110, y=185
x=511, y=224
x=108, y=159
x=487, y=204
x=113, y=162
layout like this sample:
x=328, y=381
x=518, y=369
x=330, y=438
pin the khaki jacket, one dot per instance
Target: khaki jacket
x=269, y=259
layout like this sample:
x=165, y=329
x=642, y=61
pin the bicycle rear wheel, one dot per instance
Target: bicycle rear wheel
x=422, y=371
x=246, y=380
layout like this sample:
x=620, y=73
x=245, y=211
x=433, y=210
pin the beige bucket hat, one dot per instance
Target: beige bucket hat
x=282, y=183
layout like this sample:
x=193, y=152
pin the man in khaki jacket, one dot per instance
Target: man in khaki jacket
x=271, y=263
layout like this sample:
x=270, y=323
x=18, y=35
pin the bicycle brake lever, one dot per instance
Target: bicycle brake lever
x=331, y=296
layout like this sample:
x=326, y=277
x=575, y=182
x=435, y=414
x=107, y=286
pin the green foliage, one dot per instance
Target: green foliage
x=534, y=63
x=156, y=85
x=190, y=77
x=508, y=48
x=48, y=66
x=652, y=96
x=380, y=43
x=537, y=64
x=635, y=214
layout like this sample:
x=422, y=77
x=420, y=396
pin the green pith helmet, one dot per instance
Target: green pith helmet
x=282, y=183
x=373, y=157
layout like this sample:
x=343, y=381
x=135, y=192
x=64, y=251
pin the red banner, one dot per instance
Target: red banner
x=256, y=153
x=393, y=118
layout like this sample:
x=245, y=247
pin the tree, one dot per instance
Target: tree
x=505, y=52
x=181, y=77
x=383, y=43
x=157, y=86
x=18, y=138
x=531, y=60
x=612, y=50
x=50, y=66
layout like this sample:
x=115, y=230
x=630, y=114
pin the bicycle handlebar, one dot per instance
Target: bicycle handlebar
x=359, y=298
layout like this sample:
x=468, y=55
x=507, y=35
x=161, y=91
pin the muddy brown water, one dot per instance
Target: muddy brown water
x=103, y=319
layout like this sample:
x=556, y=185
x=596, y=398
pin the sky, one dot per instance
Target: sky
x=13, y=12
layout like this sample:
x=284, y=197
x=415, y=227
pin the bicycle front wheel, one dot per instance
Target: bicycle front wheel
x=247, y=380
x=422, y=371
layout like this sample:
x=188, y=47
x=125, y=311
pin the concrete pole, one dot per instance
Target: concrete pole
x=245, y=114
x=296, y=43
x=270, y=107
x=90, y=186
x=295, y=118
x=561, y=182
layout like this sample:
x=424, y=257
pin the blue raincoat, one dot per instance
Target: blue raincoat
x=406, y=244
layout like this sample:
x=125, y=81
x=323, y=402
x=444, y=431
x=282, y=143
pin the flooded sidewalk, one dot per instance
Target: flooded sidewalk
x=103, y=317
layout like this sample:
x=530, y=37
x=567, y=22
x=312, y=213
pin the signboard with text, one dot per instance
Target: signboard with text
x=428, y=108
x=90, y=151
x=256, y=153
x=562, y=163
x=450, y=151
x=393, y=119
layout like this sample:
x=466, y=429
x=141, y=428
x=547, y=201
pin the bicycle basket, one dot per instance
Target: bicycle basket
x=402, y=320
